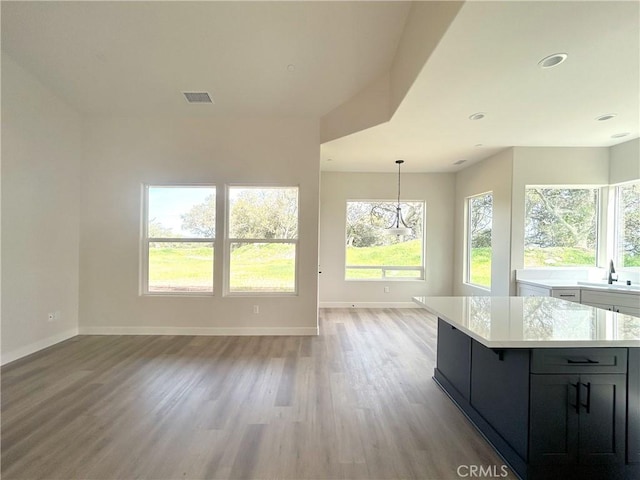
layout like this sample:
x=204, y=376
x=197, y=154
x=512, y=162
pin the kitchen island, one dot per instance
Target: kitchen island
x=553, y=385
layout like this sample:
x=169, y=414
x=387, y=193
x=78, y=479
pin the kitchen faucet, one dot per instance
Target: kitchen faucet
x=613, y=276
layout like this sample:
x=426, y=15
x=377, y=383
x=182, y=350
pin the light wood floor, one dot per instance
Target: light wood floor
x=356, y=402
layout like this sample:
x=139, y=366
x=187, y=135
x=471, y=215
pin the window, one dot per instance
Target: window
x=480, y=222
x=628, y=226
x=179, y=232
x=263, y=239
x=372, y=253
x=560, y=227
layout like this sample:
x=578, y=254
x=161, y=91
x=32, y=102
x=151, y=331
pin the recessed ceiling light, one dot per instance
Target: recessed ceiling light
x=459, y=162
x=552, y=60
x=477, y=116
x=620, y=135
x=291, y=67
x=607, y=116
x=329, y=159
x=478, y=145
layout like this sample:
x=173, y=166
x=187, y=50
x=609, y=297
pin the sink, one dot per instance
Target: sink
x=606, y=286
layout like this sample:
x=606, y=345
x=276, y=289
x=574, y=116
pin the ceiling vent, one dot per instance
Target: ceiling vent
x=197, y=97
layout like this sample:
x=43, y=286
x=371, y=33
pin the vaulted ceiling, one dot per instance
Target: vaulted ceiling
x=315, y=58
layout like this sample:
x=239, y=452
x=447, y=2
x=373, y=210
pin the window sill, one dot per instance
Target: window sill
x=177, y=294
x=479, y=287
x=412, y=280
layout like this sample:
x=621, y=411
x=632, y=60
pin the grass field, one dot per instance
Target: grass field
x=631, y=261
x=254, y=267
x=181, y=267
x=399, y=254
x=480, y=271
x=533, y=257
x=558, y=257
x=270, y=267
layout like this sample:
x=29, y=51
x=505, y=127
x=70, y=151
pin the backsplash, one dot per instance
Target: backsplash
x=592, y=274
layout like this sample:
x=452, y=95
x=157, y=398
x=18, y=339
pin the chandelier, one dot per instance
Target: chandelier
x=399, y=227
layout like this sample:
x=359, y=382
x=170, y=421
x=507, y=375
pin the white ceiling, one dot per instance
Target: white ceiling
x=137, y=57
x=487, y=62
x=134, y=58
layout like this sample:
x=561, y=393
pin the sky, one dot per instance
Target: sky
x=166, y=204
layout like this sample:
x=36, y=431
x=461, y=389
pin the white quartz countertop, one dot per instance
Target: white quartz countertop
x=562, y=283
x=534, y=322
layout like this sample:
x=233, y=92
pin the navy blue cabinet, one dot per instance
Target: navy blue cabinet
x=550, y=412
x=577, y=419
x=454, y=357
x=633, y=422
x=495, y=372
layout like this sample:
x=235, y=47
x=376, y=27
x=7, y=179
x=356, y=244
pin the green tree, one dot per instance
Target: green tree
x=201, y=219
x=629, y=214
x=561, y=217
x=366, y=222
x=269, y=213
x=157, y=230
x=480, y=220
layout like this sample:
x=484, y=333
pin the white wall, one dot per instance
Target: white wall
x=123, y=153
x=550, y=166
x=437, y=190
x=507, y=175
x=493, y=174
x=41, y=153
x=624, y=162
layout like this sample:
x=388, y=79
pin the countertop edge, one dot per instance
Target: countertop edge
x=548, y=283
x=529, y=344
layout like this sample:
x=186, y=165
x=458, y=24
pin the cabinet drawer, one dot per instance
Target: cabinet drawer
x=532, y=291
x=630, y=300
x=572, y=295
x=579, y=360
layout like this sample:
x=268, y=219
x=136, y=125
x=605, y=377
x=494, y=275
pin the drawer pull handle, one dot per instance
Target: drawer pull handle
x=577, y=404
x=588, y=404
x=568, y=295
x=588, y=361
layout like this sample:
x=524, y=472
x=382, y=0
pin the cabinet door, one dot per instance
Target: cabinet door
x=599, y=305
x=602, y=418
x=454, y=357
x=553, y=419
x=500, y=392
x=633, y=407
x=627, y=310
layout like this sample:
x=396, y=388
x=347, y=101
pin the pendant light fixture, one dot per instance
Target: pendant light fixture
x=399, y=227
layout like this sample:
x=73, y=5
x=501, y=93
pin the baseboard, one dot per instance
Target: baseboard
x=11, y=356
x=214, y=331
x=368, y=305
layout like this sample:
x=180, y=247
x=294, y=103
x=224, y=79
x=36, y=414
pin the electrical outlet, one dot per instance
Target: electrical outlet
x=256, y=309
x=386, y=289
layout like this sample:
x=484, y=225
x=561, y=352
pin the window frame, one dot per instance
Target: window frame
x=618, y=258
x=228, y=241
x=468, y=240
x=421, y=269
x=600, y=222
x=146, y=240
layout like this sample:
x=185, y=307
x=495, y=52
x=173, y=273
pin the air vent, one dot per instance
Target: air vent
x=197, y=97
